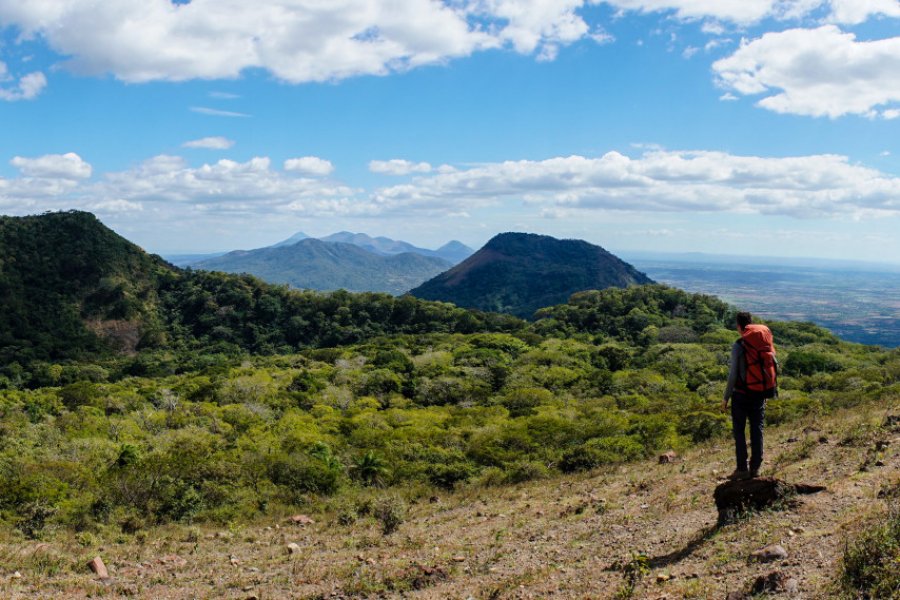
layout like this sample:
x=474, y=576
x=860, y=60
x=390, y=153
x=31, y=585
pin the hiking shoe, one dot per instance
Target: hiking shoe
x=739, y=475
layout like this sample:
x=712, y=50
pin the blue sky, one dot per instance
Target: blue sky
x=759, y=127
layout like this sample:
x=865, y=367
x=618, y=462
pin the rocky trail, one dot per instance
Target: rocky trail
x=644, y=530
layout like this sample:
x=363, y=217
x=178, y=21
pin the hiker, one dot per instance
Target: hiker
x=752, y=380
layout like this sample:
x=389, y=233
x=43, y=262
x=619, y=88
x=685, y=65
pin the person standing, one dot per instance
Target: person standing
x=752, y=380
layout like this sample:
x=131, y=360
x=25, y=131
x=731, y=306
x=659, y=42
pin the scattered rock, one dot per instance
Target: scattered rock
x=663, y=577
x=293, y=548
x=459, y=559
x=792, y=440
x=823, y=439
x=434, y=500
x=892, y=422
x=233, y=560
x=769, y=553
x=668, y=457
x=792, y=586
x=736, y=596
x=16, y=575
x=96, y=566
x=301, y=520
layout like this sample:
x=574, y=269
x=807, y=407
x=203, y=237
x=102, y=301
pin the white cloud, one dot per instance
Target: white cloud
x=53, y=166
x=309, y=165
x=116, y=206
x=398, y=166
x=750, y=12
x=659, y=181
x=295, y=40
x=690, y=51
x=816, y=72
x=215, y=112
x=28, y=87
x=210, y=143
x=853, y=12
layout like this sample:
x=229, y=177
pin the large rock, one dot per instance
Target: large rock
x=735, y=497
x=769, y=553
x=96, y=565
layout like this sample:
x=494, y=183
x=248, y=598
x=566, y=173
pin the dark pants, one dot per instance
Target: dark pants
x=746, y=407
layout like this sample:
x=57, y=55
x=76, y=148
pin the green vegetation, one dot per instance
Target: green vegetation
x=233, y=398
x=872, y=561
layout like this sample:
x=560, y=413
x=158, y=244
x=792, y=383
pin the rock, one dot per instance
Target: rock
x=668, y=457
x=16, y=575
x=301, y=520
x=233, y=560
x=776, y=582
x=792, y=440
x=823, y=439
x=96, y=565
x=792, y=587
x=769, y=553
x=292, y=548
x=736, y=596
x=734, y=497
x=459, y=559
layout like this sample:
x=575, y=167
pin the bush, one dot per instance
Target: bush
x=871, y=561
x=390, y=511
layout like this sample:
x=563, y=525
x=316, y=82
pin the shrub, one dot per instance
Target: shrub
x=871, y=561
x=390, y=511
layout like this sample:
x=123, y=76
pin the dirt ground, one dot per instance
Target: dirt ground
x=566, y=537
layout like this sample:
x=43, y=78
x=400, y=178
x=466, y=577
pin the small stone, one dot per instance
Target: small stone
x=770, y=553
x=233, y=560
x=792, y=586
x=771, y=582
x=823, y=439
x=662, y=578
x=736, y=596
x=16, y=575
x=668, y=457
x=96, y=565
x=301, y=520
x=293, y=548
x=459, y=559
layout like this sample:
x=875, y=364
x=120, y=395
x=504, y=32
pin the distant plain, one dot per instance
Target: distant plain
x=859, y=302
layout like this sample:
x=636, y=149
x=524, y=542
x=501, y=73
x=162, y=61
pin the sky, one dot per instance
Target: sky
x=750, y=127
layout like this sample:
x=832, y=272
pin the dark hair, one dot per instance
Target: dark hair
x=743, y=319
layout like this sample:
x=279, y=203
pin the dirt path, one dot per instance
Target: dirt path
x=568, y=537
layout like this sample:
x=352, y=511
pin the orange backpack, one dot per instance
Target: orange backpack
x=759, y=354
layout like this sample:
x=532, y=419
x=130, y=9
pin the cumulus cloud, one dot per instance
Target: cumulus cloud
x=309, y=165
x=398, y=166
x=27, y=87
x=750, y=12
x=53, y=166
x=210, y=143
x=816, y=72
x=808, y=186
x=296, y=40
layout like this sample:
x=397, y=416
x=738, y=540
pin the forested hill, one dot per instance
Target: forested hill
x=518, y=273
x=64, y=278
x=71, y=288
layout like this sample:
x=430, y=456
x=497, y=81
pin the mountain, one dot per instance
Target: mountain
x=518, y=273
x=69, y=284
x=453, y=252
x=73, y=289
x=299, y=236
x=329, y=265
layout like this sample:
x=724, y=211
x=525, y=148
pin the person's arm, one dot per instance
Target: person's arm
x=733, y=372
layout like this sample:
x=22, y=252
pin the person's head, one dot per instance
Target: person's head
x=743, y=319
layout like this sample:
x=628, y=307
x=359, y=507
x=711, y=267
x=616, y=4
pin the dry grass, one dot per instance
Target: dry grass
x=565, y=537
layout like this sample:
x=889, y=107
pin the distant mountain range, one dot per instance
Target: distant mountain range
x=331, y=265
x=453, y=252
x=518, y=273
